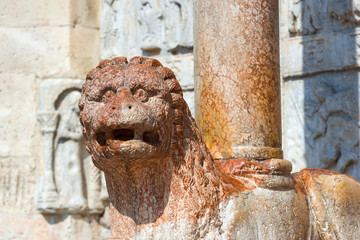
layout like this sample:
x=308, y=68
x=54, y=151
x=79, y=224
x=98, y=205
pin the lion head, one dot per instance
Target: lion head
x=130, y=111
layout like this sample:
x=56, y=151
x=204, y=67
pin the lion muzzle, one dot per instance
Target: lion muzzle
x=126, y=119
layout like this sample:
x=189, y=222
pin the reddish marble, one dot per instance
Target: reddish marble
x=164, y=184
x=237, y=77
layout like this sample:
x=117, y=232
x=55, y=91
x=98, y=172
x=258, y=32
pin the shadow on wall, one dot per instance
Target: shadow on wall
x=330, y=58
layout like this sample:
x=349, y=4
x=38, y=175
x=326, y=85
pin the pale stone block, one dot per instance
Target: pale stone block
x=319, y=44
x=56, y=227
x=23, y=13
x=27, y=13
x=44, y=51
x=116, y=33
x=85, y=13
x=320, y=53
x=283, y=18
x=49, y=51
x=17, y=114
x=317, y=53
x=84, y=50
x=17, y=184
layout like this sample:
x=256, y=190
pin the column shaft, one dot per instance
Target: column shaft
x=237, y=82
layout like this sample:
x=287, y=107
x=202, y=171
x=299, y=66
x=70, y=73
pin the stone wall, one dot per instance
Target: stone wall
x=47, y=46
x=320, y=61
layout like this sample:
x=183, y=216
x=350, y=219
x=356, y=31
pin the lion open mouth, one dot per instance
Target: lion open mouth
x=123, y=135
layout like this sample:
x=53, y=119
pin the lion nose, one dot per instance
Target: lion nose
x=123, y=105
x=124, y=100
x=123, y=93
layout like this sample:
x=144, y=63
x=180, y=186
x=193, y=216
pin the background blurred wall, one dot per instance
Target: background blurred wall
x=49, y=188
x=43, y=43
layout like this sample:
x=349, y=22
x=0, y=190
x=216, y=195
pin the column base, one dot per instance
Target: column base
x=260, y=153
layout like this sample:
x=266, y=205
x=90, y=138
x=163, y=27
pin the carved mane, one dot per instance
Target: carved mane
x=192, y=165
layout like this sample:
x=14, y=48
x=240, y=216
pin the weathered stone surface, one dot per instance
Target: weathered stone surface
x=312, y=16
x=17, y=184
x=320, y=62
x=237, y=77
x=162, y=27
x=24, y=226
x=29, y=49
x=74, y=49
x=30, y=13
x=164, y=184
x=328, y=44
x=69, y=183
x=18, y=160
x=324, y=111
x=23, y=13
x=15, y=102
x=293, y=124
x=331, y=51
x=84, y=50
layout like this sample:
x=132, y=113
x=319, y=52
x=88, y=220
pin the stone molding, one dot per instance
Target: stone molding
x=324, y=52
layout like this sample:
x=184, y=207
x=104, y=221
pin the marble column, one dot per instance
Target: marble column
x=237, y=82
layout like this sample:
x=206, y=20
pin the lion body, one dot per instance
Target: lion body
x=164, y=184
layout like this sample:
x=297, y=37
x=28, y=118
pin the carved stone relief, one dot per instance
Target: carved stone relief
x=178, y=24
x=70, y=183
x=321, y=109
x=313, y=16
x=321, y=122
x=150, y=22
x=165, y=25
x=159, y=27
x=332, y=123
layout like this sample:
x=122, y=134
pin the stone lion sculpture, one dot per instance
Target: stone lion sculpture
x=164, y=184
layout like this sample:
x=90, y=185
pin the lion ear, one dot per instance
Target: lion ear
x=144, y=60
x=152, y=62
x=120, y=61
x=174, y=86
x=91, y=74
x=105, y=63
x=167, y=73
x=137, y=60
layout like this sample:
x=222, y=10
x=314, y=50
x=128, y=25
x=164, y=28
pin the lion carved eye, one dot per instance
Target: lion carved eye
x=141, y=95
x=107, y=96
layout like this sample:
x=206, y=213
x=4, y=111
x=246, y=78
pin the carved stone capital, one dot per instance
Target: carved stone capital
x=48, y=121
